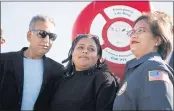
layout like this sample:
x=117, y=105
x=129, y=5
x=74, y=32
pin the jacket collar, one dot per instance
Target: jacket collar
x=135, y=62
x=19, y=69
x=21, y=52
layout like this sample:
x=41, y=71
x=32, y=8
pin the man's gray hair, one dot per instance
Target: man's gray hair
x=40, y=18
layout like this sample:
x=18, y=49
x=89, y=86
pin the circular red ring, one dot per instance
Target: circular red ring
x=104, y=34
x=83, y=23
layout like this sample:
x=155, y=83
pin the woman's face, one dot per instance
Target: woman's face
x=85, y=54
x=142, y=41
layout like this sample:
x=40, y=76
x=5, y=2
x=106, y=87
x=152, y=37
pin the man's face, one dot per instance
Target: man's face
x=38, y=44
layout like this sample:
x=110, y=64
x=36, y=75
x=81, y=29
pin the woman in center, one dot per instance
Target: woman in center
x=88, y=84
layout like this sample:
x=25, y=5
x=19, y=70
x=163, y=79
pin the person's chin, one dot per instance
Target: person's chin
x=43, y=51
x=85, y=66
x=133, y=49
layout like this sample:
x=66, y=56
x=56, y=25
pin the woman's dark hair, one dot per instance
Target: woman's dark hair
x=70, y=66
x=161, y=26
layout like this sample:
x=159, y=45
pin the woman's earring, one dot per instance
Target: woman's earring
x=156, y=44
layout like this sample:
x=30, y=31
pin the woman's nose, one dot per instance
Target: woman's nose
x=134, y=35
x=85, y=51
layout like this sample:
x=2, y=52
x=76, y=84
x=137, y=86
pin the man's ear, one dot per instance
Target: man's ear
x=29, y=34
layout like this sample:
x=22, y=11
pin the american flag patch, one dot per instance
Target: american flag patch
x=158, y=75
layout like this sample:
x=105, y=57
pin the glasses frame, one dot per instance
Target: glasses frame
x=137, y=31
x=52, y=36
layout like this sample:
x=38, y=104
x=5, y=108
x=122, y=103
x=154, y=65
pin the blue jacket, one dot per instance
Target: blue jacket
x=147, y=85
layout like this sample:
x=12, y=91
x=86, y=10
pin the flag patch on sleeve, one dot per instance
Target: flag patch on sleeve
x=158, y=75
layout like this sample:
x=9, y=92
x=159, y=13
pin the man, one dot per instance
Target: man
x=28, y=78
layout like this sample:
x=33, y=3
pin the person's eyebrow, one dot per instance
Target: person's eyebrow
x=80, y=44
x=88, y=45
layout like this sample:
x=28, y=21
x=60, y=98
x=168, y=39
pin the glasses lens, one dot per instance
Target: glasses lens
x=52, y=36
x=140, y=30
x=42, y=34
x=129, y=33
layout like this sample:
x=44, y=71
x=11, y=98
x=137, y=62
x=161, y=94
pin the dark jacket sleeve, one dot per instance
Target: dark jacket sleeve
x=58, y=70
x=156, y=94
x=1, y=76
x=5, y=67
x=3, y=61
x=46, y=96
x=57, y=74
x=106, y=88
x=1, y=68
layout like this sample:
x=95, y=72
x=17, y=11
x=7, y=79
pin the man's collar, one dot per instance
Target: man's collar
x=25, y=48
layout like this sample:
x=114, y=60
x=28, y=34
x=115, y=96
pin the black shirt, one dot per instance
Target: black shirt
x=147, y=85
x=86, y=92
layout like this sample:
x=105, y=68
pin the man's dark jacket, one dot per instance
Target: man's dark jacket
x=12, y=79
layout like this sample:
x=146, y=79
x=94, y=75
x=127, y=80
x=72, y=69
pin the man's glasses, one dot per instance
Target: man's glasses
x=43, y=34
x=138, y=31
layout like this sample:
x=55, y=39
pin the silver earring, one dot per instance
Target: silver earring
x=156, y=44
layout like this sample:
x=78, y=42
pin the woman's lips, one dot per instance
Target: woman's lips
x=84, y=57
x=134, y=42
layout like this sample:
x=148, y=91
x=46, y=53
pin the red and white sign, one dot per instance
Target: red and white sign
x=111, y=20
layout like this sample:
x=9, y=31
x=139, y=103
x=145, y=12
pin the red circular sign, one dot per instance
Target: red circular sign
x=112, y=19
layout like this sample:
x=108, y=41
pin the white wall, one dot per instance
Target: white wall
x=15, y=18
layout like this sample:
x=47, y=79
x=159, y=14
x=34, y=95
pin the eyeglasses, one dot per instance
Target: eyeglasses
x=43, y=34
x=87, y=35
x=138, y=31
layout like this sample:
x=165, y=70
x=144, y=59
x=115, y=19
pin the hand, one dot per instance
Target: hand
x=2, y=40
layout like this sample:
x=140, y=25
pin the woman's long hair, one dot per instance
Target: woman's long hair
x=70, y=66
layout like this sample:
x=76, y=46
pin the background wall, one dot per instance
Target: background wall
x=15, y=18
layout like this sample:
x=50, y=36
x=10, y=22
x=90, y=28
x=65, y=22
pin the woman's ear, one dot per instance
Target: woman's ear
x=158, y=41
x=101, y=60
